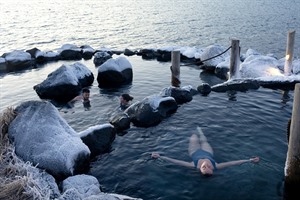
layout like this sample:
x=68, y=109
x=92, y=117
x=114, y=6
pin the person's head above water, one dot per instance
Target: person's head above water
x=85, y=94
x=206, y=168
x=125, y=98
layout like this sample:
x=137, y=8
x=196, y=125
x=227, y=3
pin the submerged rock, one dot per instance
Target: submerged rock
x=41, y=136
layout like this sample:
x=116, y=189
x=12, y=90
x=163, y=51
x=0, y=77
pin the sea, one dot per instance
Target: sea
x=238, y=125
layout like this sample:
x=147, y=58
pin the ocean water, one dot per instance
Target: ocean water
x=237, y=125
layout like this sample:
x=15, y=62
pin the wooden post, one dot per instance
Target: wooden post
x=292, y=168
x=289, y=53
x=175, y=68
x=234, y=58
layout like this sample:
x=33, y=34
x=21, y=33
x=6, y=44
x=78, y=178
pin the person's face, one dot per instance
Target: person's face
x=206, y=168
x=123, y=101
x=86, y=96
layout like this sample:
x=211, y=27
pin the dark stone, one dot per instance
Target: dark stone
x=98, y=138
x=142, y=114
x=120, y=121
x=101, y=57
x=70, y=54
x=236, y=85
x=128, y=52
x=111, y=78
x=204, y=89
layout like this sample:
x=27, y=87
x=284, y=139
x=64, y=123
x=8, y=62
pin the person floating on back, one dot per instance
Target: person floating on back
x=202, y=155
x=124, y=101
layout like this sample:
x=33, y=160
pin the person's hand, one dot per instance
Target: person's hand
x=155, y=155
x=254, y=159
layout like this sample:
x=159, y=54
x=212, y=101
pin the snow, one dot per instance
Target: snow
x=258, y=66
x=93, y=128
x=155, y=100
x=68, y=46
x=119, y=64
x=80, y=70
x=18, y=55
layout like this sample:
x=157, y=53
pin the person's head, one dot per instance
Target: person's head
x=206, y=168
x=125, y=98
x=85, y=94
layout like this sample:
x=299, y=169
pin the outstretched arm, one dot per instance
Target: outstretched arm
x=236, y=162
x=175, y=161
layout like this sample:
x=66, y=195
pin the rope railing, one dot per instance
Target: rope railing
x=200, y=62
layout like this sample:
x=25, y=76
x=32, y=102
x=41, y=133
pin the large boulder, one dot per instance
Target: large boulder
x=65, y=83
x=114, y=73
x=17, y=60
x=151, y=110
x=41, y=136
x=98, y=138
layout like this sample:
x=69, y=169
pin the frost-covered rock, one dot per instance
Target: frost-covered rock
x=46, y=56
x=259, y=66
x=181, y=95
x=115, y=73
x=98, y=138
x=101, y=57
x=87, y=51
x=85, y=185
x=17, y=60
x=151, y=110
x=70, y=52
x=41, y=136
x=65, y=83
x=210, y=52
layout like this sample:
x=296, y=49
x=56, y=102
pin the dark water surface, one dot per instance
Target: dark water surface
x=252, y=124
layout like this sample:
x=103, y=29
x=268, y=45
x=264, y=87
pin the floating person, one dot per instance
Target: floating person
x=124, y=101
x=84, y=97
x=202, y=155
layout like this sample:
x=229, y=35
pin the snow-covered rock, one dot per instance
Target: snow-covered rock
x=17, y=60
x=98, y=138
x=115, y=73
x=65, y=83
x=259, y=66
x=41, y=136
x=151, y=110
x=101, y=57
